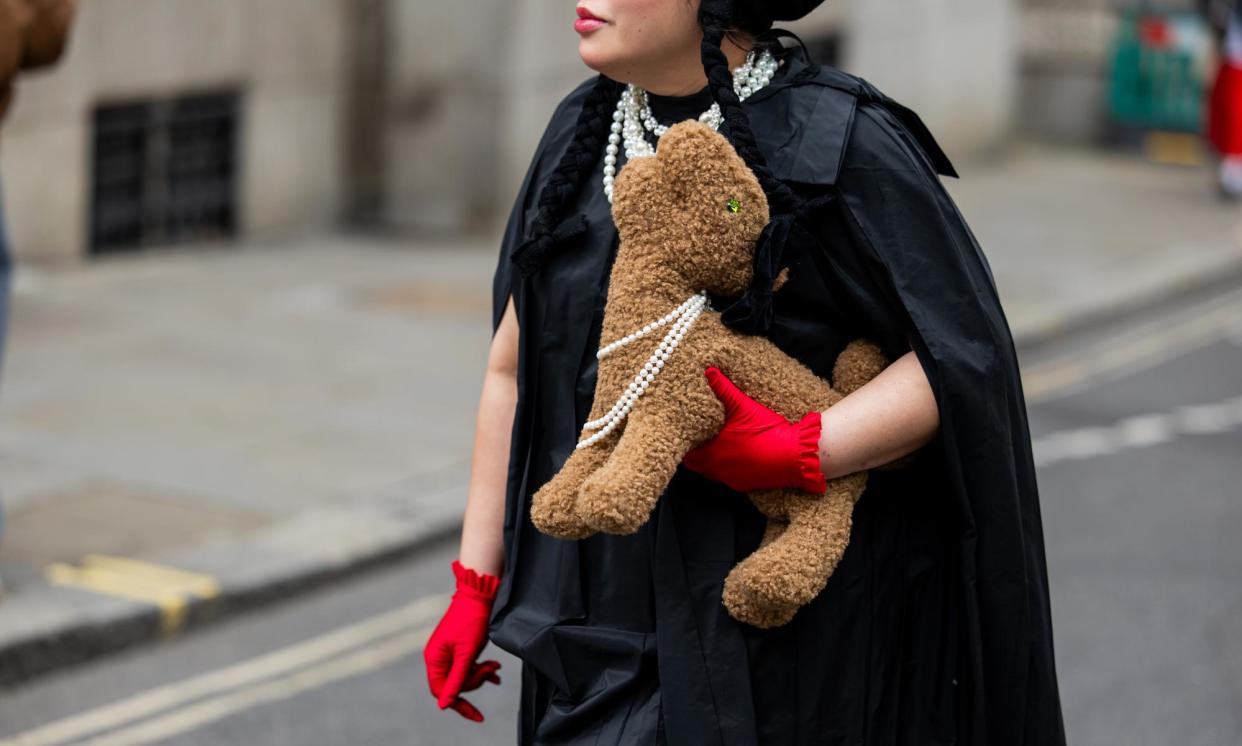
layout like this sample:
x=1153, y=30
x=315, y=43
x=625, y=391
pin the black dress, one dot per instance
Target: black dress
x=935, y=627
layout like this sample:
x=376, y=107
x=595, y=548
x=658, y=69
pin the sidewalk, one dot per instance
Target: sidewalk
x=1074, y=235
x=247, y=421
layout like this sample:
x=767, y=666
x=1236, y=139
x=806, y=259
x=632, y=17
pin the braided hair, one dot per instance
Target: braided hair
x=547, y=232
x=550, y=230
x=714, y=16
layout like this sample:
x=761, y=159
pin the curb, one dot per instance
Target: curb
x=49, y=627
x=1033, y=337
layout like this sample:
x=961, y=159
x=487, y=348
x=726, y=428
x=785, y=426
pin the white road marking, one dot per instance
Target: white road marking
x=1136, y=349
x=1138, y=432
x=1144, y=430
x=197, y=715
x=276, y=663
x=1205, y=420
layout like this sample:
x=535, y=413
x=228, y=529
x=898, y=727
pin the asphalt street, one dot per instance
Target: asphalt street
x=1138, y=436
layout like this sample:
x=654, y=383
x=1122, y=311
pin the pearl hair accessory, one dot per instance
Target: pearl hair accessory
x=685, y=315
x=633, y=114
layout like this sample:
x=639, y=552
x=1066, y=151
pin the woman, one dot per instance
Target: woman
x=1224, y=128
x=935, y=626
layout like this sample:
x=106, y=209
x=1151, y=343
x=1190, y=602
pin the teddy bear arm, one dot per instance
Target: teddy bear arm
x=619, y=496
x=553, y=507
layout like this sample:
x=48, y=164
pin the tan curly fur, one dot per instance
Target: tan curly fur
x=677, y=236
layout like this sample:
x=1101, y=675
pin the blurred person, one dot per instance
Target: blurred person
x=1225, y=102
x=935, y=626
x=33, y=34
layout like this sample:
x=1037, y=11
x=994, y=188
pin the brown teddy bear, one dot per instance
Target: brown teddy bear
x=688, y=221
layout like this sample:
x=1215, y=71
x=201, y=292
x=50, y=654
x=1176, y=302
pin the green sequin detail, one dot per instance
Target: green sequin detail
x=735, y=205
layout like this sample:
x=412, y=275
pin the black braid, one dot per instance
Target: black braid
x=547, y=230
x=714, y=17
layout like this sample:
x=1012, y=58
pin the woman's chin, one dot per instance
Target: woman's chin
x=597, y=57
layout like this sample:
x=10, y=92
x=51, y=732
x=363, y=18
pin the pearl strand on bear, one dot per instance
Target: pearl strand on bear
x=633, y=114
x=625, y=403
x=638, y=386
x=608, y=349
x=658, y=358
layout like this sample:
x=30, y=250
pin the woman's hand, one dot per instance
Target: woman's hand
x=458, y=639
x=757, y=448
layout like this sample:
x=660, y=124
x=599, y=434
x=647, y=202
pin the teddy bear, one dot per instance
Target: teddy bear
x=688, y=220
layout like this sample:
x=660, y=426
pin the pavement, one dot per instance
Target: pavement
x=188, y=433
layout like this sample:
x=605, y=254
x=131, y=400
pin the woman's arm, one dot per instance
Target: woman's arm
x=890, y=416
x=482, y=533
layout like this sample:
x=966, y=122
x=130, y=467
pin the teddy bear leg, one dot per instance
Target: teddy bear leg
x=619, y=497
x=552, y=507
x=858, y=363
x=787, y=573
x=772, y=532
x=748, y=607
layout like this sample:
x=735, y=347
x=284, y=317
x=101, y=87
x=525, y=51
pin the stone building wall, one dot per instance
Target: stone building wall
x=284, y=57
x=415, y=115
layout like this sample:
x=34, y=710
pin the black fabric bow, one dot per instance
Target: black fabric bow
x=532, y=253
x=751, y=312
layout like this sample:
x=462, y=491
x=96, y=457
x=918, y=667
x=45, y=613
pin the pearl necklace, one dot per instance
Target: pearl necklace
x=633, y=114
x=685, y=315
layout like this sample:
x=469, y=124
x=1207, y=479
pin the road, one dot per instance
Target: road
x=1139, y=446
x=1138, y=436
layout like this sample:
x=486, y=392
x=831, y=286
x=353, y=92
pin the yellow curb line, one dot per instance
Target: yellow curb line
x=168, y=588
x=195, y=583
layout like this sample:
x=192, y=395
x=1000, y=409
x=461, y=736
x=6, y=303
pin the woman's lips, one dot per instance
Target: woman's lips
x=587, y=21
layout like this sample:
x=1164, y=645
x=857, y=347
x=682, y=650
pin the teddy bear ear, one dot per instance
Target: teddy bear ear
x=694, y=155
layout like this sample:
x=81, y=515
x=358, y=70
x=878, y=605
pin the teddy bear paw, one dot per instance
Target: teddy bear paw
x=558, y=520
x=762, y=594
x=600, y=508
x=753, y=609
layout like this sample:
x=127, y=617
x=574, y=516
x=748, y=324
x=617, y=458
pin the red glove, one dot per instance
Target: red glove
x=757, y=448
x=458, y=639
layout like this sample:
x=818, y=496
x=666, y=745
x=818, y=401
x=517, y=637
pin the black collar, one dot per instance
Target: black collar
x=803, y=120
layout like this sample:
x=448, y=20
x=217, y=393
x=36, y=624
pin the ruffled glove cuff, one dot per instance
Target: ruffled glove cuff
x=476, y=585
x=809, y=474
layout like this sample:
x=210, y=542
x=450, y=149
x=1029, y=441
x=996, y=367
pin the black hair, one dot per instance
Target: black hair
x=549, y=230
x=715, y=19
x=590, y=134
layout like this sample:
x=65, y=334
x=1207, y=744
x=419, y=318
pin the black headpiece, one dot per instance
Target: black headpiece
x=773, y=10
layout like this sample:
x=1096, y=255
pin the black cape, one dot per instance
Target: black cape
x=935, y=627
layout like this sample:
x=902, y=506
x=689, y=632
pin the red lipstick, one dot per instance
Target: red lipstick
x=587, y=21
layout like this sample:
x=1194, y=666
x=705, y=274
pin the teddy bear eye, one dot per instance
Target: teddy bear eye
x=734, y=205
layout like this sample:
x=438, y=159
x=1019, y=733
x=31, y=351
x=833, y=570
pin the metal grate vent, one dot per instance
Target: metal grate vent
x=164, y=171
